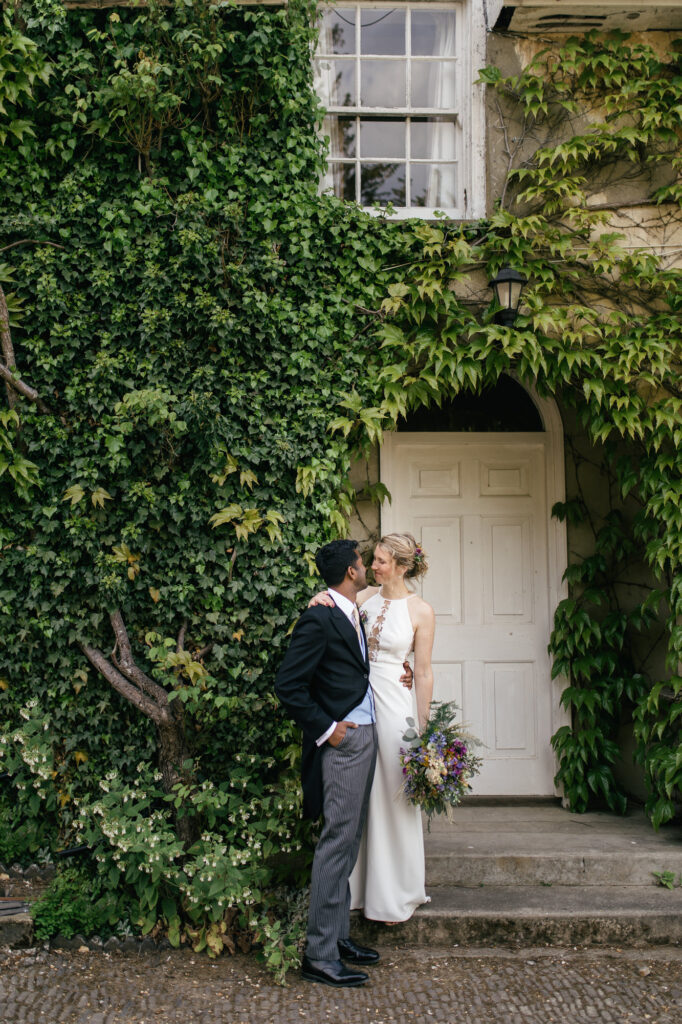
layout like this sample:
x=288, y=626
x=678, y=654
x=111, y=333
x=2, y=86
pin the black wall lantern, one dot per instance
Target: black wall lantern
x=507, y=286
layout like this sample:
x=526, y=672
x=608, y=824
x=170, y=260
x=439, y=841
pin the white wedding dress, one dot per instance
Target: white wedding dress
x=387, y=882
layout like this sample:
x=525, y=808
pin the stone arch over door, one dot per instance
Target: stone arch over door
x=480, y=502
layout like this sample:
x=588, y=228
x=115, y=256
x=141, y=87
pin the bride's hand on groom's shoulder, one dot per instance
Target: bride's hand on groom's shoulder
x=322, y=598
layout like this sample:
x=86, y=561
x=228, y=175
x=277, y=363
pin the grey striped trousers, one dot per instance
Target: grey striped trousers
x=347, y=773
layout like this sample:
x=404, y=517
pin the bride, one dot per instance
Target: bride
x=387, y=882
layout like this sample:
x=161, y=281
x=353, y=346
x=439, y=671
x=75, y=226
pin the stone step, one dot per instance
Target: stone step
x=536, y=915
x=16, y=930
x=593, y=868
x=545, y=845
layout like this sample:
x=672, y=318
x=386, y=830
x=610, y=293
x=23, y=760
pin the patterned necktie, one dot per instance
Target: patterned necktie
x=356, y=622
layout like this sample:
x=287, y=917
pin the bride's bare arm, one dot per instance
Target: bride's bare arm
x=424, y=629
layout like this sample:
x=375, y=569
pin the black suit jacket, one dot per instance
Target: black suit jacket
x=323, y=676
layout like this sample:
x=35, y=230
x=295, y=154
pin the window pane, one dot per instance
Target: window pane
x=433, y=84
x=433, y=33
x=341, y=132
x=382, y=138
x=435, y=139
x=433, y=185
x=382, y=83
x=382, y=31
x=335, y=82
x=382, y=183
x=337, y=31
x=343, y=177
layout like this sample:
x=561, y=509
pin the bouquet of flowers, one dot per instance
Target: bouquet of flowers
x=438, y=765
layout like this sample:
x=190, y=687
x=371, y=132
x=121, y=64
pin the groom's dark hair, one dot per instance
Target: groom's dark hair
x=334, y=558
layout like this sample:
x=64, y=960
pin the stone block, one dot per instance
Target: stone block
x=16, y=930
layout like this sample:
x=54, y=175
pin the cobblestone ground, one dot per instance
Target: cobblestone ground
x=409, y=985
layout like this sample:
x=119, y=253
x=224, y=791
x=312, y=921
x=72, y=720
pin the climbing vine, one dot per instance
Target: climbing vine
x=185, y=312
x=600, y=329
x=197, y=344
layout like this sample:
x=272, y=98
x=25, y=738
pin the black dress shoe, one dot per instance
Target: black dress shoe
x=331, y=972
x=349, y=950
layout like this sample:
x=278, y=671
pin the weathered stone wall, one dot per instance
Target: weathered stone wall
x=621, y=185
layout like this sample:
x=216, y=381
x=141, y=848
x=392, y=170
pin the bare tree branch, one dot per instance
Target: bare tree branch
x=180, y=646
x=19, y=387
x=198, y=655
x=509, y=152
x=368, y=312
x=233, y=559
x=7, y=350
x=14, y=385
x=126, y=664
x=148, y=707
x=124, y=676
x=31, y=241
x=620, y=204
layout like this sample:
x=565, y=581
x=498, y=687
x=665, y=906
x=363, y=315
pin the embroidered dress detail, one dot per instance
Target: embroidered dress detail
x=374, y=638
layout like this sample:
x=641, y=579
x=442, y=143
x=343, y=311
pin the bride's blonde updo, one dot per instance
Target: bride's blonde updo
x=405, y=551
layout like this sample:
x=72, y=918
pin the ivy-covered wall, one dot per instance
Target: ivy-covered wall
x=587, y=204
x=624, y=188
x=198, y=346
x=186, y=312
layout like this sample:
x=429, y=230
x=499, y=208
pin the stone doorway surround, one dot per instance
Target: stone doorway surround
x=481, y=504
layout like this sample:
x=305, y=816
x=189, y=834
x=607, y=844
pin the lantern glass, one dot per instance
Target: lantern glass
x=508, y=286
x=514, y=295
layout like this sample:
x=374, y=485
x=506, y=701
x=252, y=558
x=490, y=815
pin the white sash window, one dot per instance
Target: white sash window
x=395, y=81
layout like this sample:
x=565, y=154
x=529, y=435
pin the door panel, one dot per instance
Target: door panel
x=507, y=570
x=509, y=697
x=500, y=479
x=435, y=480
x=477, y=504
x=447, y=678
x=442, y=586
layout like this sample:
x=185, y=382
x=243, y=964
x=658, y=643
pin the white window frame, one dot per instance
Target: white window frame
x=469, y=116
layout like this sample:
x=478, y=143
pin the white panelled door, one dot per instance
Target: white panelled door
x=478, y=504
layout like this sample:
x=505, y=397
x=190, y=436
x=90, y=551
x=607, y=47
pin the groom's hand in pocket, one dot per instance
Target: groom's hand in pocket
x=340, y=732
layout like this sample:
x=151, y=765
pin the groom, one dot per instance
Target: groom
x=324, y=685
